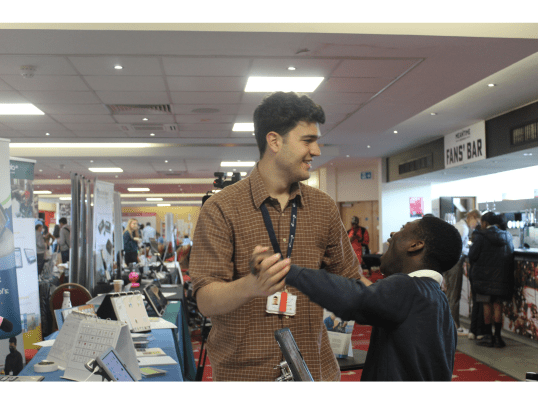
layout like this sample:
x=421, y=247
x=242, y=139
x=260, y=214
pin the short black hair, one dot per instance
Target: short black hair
x=148, y=224
x=63, y=220
x=13, y=340
x=489, y=217
x=37, y=226
x=442, y=243
x=280, y=112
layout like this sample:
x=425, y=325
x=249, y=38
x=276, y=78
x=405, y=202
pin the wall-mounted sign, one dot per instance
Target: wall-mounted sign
x=466, y=146
x=416, y=206
x=366, y=175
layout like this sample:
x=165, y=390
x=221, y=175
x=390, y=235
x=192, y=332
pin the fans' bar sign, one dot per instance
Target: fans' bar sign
x=466, y=146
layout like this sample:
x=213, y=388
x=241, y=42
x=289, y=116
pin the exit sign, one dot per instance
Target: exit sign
x=366, y=175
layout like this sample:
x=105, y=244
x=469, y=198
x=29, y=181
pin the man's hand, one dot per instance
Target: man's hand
x=268, y=272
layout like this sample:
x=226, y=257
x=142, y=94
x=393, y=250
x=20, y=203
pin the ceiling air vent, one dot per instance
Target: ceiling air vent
x=149, y=127
x=123, y=109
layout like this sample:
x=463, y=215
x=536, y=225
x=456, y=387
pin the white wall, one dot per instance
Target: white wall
x=350, y=187
x=394, y=206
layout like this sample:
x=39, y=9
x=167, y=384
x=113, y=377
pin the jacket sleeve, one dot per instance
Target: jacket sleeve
x=384, y=303
x=474, y=251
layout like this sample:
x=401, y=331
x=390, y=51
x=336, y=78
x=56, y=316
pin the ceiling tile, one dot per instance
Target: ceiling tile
x=373, y=68
x=7, y=119
x=304, y=67
x=133, y=97
x=4, y=86
x=45, y=83
x=6, y=133
x=204, y=134
x=125, y=83
x=91, y=127
x=138, y=119
x=178, y=83
x=40, y=134
x=206, y=127
x=205, y=118
x=338, y=109
x=186, y=109
x=158, y=135
x=45, y=65
x=7, y=97
x=75, y=109
x=359, y=85
x=98, y=134
x=43, y=127
x=61, y=97
x=324, y=99
x=84, y=118
x=104, y=65
x=219, y=97
x=214, y=66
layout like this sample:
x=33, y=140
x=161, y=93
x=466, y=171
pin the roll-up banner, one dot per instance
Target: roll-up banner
x=9, y=291
x=103, y=229
x=24, y=222
x=118, y=232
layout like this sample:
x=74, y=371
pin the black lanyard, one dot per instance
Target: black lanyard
x=271, y=231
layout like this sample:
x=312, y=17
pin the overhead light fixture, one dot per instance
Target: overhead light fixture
x=347, y=155
x=154, y=199
x=152, y=134
x=433, y=113
x=271, y=84
x=80, y=145
x=91, y=161
x=395, y=131
x=20, y=109
x=368, y=146
x=527, y=154
x=65, y=198
x=292, y=68
x=105, y=170
x=118, y=67
x=242, y=173
x=59, y=176
x=40, y=170
x=138, y=189
x=144, y=119
x=243, y=127
x=169, y=169
x=47, y=134
x=253, y=134
x=164, y=204
x=491, y=85
x=237, y=163
x=42, y=192
x=166, y=161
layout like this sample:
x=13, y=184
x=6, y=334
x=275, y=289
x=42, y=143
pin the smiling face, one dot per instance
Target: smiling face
x=134, y=225
x=400, y=242
x=297, y=149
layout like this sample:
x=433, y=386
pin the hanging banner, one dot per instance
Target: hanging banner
x=466, y=146
x=26, y=257
x=103, y=229
x=9, y=292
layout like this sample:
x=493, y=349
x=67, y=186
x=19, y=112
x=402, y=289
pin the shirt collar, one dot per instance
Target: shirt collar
x=427, y=273
x=260, y=194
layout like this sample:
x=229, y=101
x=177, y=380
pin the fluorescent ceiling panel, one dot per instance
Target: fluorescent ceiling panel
x=20, y=109
x=105, y=170
x=270, y=84
x=237, y=163
x=243, y=127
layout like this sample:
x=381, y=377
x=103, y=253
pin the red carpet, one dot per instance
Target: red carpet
x=466, y=368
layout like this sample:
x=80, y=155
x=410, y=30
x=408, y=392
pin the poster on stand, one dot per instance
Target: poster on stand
x=22, y=190
x=416, y=206
x=103, y=229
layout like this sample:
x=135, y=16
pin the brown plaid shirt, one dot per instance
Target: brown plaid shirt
x=241, y=345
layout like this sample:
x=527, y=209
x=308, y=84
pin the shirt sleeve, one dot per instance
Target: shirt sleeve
x=366, y=237
x=211, y=258
x=384, y=303
x=339, y=257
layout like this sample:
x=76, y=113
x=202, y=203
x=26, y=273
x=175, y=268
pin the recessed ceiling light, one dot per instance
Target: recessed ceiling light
x=59, y=176
x=347, y=155
x=154, y=199
x=243, y=127
x=527, y=154
x=105, y=170
x=368, y=146
x=292, y=68
x=91, y=161
x=116, y=176
x=166, y=161
x=169, y=169
x=42, y=192
x=271, y=84
x=40, y=170
x=164, y=204
x=20, y=109
x=47, y=134
x=118, y=67
x=144, y=119
x=237, y=164
x=253, y=134
x=152, y=134
x=395, y=131
x=65, y=198
x=491, y=85
x=433, y=113
x=138, y=189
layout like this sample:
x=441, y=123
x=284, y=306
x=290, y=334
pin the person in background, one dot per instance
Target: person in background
x=186, y=240
x=56, y=235
x=160, y=239
x=147, y=233
x=13, y=359
x=49, y=238
x=41, y=247
x=413, y=336
x=476, y=330
x=131, y=238
x=454, y=278
x=65, y=239
x=359, y=238
x=491, y=256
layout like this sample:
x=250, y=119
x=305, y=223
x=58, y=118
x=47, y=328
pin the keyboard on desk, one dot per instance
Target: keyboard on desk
x=21, y=378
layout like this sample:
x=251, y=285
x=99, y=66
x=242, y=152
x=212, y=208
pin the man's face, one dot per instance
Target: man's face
x=13, y=345
x=399, y=242
x=473, y=223
x=298, y=148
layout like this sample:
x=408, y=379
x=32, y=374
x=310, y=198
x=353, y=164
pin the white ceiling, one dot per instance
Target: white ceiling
x=373, y=84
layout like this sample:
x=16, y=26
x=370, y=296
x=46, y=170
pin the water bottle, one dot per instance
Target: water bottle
x=66, y=304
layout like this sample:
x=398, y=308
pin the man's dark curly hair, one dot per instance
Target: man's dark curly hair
x=281, y=112
x=442, y=243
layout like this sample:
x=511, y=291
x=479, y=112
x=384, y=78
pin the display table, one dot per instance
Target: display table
x=355, y=363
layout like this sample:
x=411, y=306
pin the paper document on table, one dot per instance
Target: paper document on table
x=160, y=323
x=150, y=352
x=168, y=294
x=156, y=361
x=50, y=342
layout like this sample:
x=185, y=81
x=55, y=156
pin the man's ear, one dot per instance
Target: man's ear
x=416, y=246
x=274, y=141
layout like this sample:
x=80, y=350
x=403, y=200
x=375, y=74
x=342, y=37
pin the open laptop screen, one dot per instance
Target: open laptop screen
x=156, y=299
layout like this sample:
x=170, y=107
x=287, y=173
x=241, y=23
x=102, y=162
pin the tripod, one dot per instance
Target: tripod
x=206, y=328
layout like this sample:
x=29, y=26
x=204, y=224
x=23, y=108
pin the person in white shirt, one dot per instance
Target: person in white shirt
x=147, y=233
x=454, y=277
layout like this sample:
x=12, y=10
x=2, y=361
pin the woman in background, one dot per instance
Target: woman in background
x=131, y=238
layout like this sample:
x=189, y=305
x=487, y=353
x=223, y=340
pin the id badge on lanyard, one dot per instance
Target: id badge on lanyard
x=281, y=302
